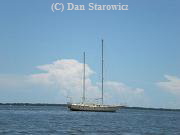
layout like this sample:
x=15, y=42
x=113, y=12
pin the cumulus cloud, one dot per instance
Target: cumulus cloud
x=172, y=84
x=66, y=77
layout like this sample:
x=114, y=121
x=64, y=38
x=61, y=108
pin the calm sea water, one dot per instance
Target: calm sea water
x=58, y=120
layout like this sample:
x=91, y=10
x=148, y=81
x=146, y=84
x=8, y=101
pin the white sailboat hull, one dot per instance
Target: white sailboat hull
x=93, y=107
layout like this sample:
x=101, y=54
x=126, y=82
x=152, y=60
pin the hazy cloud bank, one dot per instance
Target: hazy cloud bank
x=171, y=84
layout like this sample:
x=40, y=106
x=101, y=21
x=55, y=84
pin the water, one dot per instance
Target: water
x=58, y=120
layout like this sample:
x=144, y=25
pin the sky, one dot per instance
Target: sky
x=41, y=52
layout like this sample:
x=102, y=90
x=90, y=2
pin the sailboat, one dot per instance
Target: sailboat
x=83, y=106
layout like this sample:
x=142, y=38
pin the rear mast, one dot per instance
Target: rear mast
x=84, y=68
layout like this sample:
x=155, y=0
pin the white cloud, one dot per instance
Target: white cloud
x=65, y=76
x=121, y=93
x=121, y=87
x=172, y=84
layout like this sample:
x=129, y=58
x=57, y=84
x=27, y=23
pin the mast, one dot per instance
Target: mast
x=83, y=98
x=102, y=73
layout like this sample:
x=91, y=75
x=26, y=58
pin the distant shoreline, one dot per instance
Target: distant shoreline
x=46, y=104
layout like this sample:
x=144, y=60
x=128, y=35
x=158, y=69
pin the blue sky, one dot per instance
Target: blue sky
x=142, y=45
